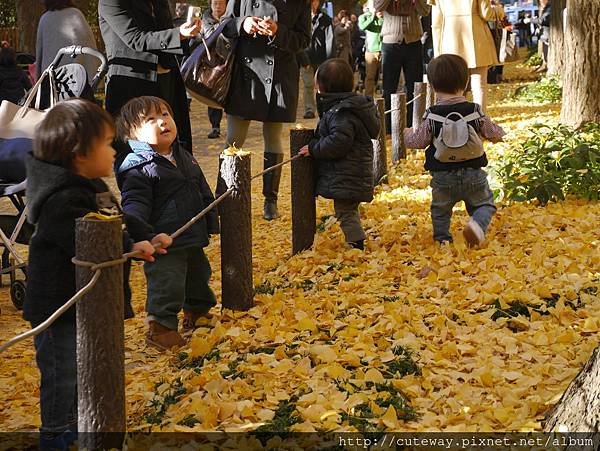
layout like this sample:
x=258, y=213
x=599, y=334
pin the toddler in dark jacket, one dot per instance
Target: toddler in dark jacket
x=342, y=146
x=163, y=186
x=72, y=150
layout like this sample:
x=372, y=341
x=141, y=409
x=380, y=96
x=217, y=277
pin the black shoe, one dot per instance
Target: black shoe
x=271, y=185
x=270, y=211
x=360, y=244
x=309, y=115
x=214, y=134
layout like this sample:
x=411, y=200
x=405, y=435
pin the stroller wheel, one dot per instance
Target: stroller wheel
x=17, y=293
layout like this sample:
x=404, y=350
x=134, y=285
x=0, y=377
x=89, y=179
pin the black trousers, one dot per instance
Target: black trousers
x=397, y=58
x=214, y=116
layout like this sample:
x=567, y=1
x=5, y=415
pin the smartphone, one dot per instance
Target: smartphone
x=194, y=14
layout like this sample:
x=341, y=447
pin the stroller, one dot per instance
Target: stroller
x=69, y=80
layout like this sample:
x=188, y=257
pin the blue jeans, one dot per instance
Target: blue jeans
x=56, y=357
x=396, y=58
x=176, y=280
x=450, y=187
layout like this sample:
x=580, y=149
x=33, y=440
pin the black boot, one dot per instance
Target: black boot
x=271, y=185
x=360, y=244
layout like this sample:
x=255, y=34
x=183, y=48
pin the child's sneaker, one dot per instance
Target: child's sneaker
x=162, y=337
x=473, y=233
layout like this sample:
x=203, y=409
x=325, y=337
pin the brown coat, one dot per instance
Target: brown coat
x=460, y=27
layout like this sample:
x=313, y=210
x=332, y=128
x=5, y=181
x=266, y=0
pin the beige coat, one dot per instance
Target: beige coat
x=460, y=27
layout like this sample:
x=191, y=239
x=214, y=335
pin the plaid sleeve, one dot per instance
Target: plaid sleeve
x=490, y=131
x=419, y=138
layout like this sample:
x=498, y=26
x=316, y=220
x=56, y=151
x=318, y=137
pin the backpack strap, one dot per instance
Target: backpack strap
x=474, y=115
x=435, y=117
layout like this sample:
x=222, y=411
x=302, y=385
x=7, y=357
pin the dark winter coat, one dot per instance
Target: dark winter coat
x=264, y=86
x=343, y=148
x=139, y=35
x=322, y=43
x=56, y=197
x=166, y=196
x=14, y=82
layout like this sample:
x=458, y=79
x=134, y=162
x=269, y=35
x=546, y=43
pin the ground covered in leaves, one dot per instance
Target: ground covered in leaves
x=405, y=336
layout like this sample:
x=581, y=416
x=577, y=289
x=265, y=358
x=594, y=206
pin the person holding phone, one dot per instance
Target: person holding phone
x=141, y=46
x=264, y=86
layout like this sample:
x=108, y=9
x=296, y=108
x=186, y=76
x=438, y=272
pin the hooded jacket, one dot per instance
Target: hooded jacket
x=56, y=198
x=164, y=195
x=343, y=148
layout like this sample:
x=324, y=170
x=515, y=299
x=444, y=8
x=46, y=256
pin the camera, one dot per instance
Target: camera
x=194, y=14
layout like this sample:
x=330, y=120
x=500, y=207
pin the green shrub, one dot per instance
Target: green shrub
x=547, y=89
x=553, y=162
x=535, y=59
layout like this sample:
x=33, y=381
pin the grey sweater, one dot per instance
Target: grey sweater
x=402, y=28
x=63, y=28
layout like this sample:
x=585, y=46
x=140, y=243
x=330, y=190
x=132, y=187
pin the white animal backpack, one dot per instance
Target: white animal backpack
x=457, y=141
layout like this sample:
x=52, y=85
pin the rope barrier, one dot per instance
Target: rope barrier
x=97, y=268
x=407, y=103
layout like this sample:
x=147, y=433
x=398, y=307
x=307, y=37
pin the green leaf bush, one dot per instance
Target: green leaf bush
x=547, y=89
x=555, y=161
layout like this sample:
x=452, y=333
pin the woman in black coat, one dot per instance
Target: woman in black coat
x=264, y=85
x=141, y=46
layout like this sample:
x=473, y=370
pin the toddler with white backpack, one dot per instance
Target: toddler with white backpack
x=451, y=132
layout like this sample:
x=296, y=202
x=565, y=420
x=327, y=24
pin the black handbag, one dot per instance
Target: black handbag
x=208, y=70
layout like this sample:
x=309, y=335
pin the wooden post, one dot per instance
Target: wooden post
x=430, y=96
x=304, y=207
x=398, y=113
x=100, y=337
x=380, y=169
x=420, y=96
x=236, y=232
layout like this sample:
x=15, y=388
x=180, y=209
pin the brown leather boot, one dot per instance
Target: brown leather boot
x=162, y=337
x=191, y=318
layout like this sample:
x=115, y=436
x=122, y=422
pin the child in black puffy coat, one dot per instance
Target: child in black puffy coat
x=342, y=146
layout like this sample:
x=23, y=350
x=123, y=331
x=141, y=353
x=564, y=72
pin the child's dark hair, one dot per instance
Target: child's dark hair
x=135, y=112
x=8, y=57
x=70, y=128
x=335, y=75
x=448, y=73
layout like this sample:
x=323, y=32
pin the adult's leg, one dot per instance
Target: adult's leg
x=412, y=65
x=308, y=76
x=172, y=90
x=56, y=358
x=272, y=132
x=392, y=66
x=372, y=60
x=214, y=116
x=237, y=131
x=479, y=86
x=346, y=212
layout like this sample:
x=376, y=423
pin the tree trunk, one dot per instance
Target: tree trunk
x=100, y=337
x=579, y=407
x=581, y=81
x=380, y=168
x=304, y=207
x=28, y=16
x=556, y=50
x=398, y=107
x=236, y=233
